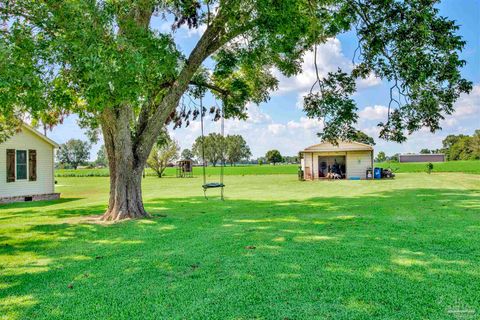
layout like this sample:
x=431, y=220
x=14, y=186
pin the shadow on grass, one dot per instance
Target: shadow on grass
x=37, y=204
x=410, y=252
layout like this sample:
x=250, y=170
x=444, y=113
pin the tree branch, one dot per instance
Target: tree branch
x=208, y=43
x=210, y=86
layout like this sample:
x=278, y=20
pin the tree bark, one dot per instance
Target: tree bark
x=127, y=150
x=125, y=170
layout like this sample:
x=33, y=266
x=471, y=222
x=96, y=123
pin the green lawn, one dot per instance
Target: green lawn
x=277, y=248
x=468, y=166
x=197, y=171
x=451, y=166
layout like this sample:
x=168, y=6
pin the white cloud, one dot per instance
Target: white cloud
x=261, y=132
x=329, y=58
x=376, y=112
x=255, y=115
x=276, y=128
x=450, y=122
x=306, y=123
x=372, y=131
x=370, y=81
x=166, y=27
x=195, y=32
x=468, y=105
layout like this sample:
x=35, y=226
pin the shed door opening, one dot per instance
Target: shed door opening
x=332, y=164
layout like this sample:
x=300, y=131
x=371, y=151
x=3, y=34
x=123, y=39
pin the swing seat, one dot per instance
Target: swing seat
x=213, y=185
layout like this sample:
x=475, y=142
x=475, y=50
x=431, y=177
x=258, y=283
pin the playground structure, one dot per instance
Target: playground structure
x=184, y=168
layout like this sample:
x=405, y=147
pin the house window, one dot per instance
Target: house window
x=21, y=165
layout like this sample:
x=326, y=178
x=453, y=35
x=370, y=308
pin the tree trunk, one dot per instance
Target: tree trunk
x=125, y=171
x=125, y=196
x=127, y=158
x=162, y=170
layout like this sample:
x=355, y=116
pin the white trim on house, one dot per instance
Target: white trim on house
x=41, y=188
x=26, y=165
x=41, y=136
x=342, y=146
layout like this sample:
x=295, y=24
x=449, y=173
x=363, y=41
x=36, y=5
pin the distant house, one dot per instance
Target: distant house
x=350, y=159
x=439, y=157
x=27, y=167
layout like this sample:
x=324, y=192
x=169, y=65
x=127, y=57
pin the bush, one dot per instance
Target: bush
x=429, y=167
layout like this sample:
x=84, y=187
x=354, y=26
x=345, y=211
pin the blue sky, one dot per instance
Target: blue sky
x=280, y=123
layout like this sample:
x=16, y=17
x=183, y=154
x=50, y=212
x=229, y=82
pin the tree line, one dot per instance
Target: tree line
x=462, y=147
x=216, y=149
x=231, y=149
x=455, y=147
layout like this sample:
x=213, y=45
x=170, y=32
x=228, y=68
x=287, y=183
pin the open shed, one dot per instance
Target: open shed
x=350, y=159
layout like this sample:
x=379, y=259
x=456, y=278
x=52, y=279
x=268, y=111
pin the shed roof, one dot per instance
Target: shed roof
x=39, y=135
x=342, y=146
x=421, y=154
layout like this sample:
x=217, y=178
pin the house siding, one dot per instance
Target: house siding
x=357, y=163
x=25, y=140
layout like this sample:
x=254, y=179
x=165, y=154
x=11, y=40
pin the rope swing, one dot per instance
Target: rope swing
x=212, y=185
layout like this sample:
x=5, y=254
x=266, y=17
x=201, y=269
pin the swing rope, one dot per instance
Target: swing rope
x=203, y=146
x=206, y=185
x=222, y=129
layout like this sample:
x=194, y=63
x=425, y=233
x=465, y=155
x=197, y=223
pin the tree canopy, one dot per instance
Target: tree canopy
x=210, y=149
x=102, y=159
x=237, y=149
x=74, y=152
x=462, y=147
x=187, y=154
x=85, y=56
x=362, y=137
x=381, y=157
x=273, y=156
x=163, y=153
x=104, y=61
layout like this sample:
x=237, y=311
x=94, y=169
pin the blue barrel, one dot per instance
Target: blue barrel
x=377, y=173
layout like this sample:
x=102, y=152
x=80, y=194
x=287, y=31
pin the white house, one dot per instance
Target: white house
x=27, y=167
x=350, y=159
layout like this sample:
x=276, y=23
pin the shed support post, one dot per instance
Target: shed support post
x=313, y=175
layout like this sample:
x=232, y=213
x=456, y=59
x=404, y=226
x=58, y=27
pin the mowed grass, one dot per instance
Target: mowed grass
x=197, y=171
x=472, y=166
x=467, y=166
x=277, y=248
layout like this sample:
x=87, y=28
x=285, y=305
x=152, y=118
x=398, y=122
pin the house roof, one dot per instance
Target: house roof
x=421, y=154
x=342, y=146
x=39, y=135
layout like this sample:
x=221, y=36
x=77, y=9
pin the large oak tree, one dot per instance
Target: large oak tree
x=104, y=61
